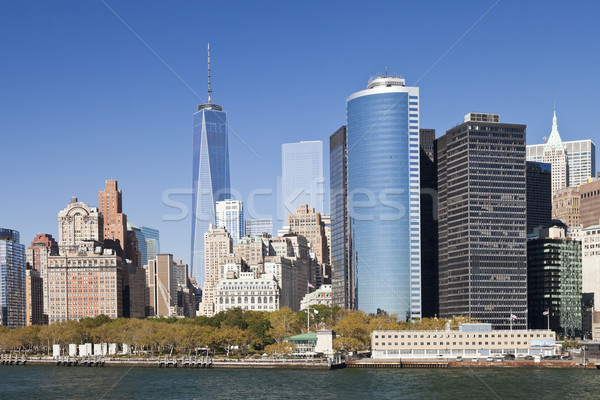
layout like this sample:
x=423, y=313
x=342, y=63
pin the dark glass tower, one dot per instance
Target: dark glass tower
x=429, y=224
x=343, y=285
x=483, y=221
x=539, y=195
x=210, y=174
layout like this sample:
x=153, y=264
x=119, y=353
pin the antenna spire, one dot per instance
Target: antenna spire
x=209, y=89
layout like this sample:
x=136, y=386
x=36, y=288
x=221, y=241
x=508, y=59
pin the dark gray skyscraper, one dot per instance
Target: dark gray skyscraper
x=482, y=222
x=342, y=281
x=539, y=195
x=429, y=224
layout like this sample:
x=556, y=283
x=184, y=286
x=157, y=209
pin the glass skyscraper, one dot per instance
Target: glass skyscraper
x=383, y=196
x=301, y=176
x=210, y=174
x=256, y=227
x=230, y=215
x=343, y=285
x=12, y=279
x=539, y=195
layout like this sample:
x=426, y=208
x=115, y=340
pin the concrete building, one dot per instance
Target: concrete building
x=210, y=174
x=253, y=249
x=555, y=154
x=37, y=255
x=230, y=215
x=311, y=344
x=258, y=227
x=554, y=282
x=302, y=176
x=34, y=298
x=217, y=245
x=343, y=285
x=539, y=195
x=429, y=224
x=590, y=248
x=80, y=226
x=85, y=284
x=566, y=207
x=383, y=187
x=247, y=290
x=168, y=287
x=483, y=342
x=320, y=297
x=306, y=222
x=590, y=203
x=483, y=223
x=12, y=279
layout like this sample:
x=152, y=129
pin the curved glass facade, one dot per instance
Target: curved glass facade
x=383, y=195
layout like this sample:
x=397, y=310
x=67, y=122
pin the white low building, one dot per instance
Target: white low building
x=248, y=291
x=321, y=296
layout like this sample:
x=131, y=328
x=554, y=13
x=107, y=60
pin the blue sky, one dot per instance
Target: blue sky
x=82, y=99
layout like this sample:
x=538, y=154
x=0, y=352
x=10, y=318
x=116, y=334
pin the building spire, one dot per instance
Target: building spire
x=209, y=89
x=554, y=141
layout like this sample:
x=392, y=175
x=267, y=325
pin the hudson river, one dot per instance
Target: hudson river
x=38, y=382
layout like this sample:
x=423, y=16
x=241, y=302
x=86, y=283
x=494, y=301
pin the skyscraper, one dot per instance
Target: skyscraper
x=218, y=246
x=302, y=176
x=210, y=174
x=256, y=227
x=539, y=195
x=34, y=298
x=581, y=159
x=12, y=279
x=41, y=248
x=483, y=222
x=230, y=215
x=429, y=225
x=149, y=241
x=110, y=205
x=383, y=196
x=80, y=226
x=555, y=154
x=343, y=285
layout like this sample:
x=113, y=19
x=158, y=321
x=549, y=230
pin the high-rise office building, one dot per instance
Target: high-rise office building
x=305, y=221
x=80, y=226
x=302, y=176
x=110, y=205
x=230, y=215
x=566, y=207
x=554, y=282
x=165, y=277
x=590, y=269
x=37, y=255
x=483, y=222
x=539, y=195
x=34, y=298
x=590, y=203
x=12, y=279
x=218, y=245
x=149, y=241
x=210, y=174
x=343, y=285
x=429, y=224
x=383, y=186
x=555, y=154
x=258, y=227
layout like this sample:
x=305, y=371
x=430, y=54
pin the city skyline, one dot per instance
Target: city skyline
x=146, y=107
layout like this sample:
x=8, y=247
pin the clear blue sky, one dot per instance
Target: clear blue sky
x=83, y=100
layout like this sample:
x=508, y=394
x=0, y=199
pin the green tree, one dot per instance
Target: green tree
x=284, y=323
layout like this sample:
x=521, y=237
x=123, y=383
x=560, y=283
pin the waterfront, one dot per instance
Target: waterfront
x=38, y=382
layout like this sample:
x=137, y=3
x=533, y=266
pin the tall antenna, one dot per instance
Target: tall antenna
x=209, y=89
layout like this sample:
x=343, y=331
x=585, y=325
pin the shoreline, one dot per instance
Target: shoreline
x=295, y=364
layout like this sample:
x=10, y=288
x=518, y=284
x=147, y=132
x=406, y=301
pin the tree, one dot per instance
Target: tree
x=284, y=348
x=284, y=323
x=355, y=326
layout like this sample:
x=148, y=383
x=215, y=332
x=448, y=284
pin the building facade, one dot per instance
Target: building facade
x=429, y=225
x=343, y=285
x=34, y=298
x=80, y=226
x=483, y=223
x=110, y=205
x=302, y=176
x=218, y=245
x=230, y=215
x=554, y=282
x=12, y=279
x=383, y=196
x=167, y=283
x=320, y=297
x=539, y=195
x=566, y=207
x=258, y=227
x=590, y=249
x=305, y=221
x=210, y=174
x=248, y=291
x=472, y=344
x=37, y=255
x=590, y=203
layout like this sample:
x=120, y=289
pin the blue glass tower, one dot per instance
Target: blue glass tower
x=383, y=196
x=210, y=174
x=12, y=279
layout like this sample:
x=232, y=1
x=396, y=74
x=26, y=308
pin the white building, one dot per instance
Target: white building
x=230, y=215
x=257, y=227
x=247, y=290
x=590, y=252
x=321, y=296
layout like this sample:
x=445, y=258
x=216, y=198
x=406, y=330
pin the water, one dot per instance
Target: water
x=37, y=382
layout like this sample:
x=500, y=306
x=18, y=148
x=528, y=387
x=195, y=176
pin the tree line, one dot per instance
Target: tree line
x=234, y=332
